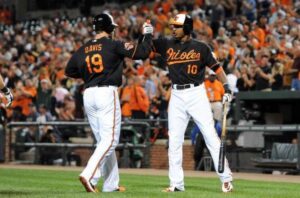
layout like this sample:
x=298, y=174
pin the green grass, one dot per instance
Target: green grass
x=50, y=184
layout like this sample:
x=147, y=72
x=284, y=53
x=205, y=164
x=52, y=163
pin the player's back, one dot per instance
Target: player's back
x=99, y=62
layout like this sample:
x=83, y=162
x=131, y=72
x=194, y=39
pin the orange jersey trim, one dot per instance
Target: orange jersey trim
x=182, y=61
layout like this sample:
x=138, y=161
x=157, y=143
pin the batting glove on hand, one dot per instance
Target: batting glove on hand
x=147, y=28
x=227, y=97
x=9, y=97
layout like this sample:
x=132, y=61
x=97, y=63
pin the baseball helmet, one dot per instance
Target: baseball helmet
x=104, y=22
x=183, y=20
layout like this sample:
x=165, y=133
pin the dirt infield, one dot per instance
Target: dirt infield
x=243, y=176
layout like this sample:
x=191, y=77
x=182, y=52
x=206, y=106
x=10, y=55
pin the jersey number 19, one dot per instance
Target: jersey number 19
x=94, y=63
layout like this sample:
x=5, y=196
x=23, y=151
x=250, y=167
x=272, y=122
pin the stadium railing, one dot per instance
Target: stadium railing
x=68, y=147
x=149, y=125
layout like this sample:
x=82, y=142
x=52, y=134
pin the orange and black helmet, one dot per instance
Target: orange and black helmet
x=183, y=20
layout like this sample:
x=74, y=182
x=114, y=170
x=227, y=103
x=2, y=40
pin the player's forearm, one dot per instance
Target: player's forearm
x=143, y=49
x=222, y=77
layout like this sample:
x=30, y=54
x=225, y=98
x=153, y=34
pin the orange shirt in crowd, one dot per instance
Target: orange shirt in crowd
x=166, y=6
x=260, y=36
x=214, y=90
x=161, y=22
x=25, y=101
x=125, y=98
x=139, y=100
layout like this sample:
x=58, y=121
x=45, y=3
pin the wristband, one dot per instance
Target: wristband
x=226, y=88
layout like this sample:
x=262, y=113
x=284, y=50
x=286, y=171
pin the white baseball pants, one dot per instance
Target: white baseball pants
x=186, y=103
x=102, y=107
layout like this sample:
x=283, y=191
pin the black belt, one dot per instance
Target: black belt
x=89, y=86
x=185, y=86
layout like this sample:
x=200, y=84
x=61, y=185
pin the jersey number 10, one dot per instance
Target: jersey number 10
x=94, y=63
x=192, y=69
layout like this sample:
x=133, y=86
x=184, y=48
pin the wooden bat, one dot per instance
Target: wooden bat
x=223, y=141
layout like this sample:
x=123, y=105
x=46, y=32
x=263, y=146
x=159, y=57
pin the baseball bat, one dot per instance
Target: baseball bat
x=223, y=141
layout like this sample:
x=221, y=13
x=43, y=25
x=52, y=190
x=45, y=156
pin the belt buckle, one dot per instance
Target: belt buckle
x=187, y=86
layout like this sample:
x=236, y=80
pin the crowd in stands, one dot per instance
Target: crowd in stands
x=257, y=42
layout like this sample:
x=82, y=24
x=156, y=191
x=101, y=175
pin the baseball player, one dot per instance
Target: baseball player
x=99, y=63
x=7, y=93
x=187, y=60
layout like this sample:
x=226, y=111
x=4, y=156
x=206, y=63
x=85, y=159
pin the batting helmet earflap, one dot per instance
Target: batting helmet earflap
x=104, y=22
x=183, y=20
x=188, y=25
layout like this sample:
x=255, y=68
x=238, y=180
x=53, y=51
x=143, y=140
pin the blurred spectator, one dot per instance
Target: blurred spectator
x=60, y=92
x=66, y=112
x=12, y=77
x=164, y=94
x=232, y=80
x=222, y=34
x=277, y=76
x=24, y=96
x=229, y=8
x=215, y=92
x=44, y=94
x=249, y=9
x=159, y=107
x=217, y=16
x=296, y=69
x=258, y=33
x=262, y=74
x=125, y=98
x=78, y=97
x=150, y=86
x=139, y=101
x=24, y=135
x=263, y=7
x=245, y=82
x=33, y=115
x=47, y=156
x=43, y=114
